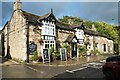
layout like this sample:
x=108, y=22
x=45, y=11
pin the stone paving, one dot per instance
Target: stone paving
x=69, y=62
x=74, y=61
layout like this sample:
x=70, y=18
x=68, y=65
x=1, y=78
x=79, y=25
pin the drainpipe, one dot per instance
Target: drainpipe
x=27, y=42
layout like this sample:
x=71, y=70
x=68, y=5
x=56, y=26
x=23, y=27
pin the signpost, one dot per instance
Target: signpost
x=46, y=55
x=32, y=48
x=63, y=54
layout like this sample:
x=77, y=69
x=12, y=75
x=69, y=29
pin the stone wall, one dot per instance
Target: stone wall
x=99, y=41
x=17, y=37
x=35, y=36
x=63, y=34
x=111, y=45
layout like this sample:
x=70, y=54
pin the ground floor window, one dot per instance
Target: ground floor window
x=104, y=47
x=81, y=41
x=49, y=43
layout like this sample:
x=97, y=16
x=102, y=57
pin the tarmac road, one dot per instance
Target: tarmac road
x=87, y=71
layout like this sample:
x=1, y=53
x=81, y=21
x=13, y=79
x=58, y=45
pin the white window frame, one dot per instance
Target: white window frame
x=48, y=29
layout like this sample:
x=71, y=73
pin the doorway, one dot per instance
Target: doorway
x=74, y=49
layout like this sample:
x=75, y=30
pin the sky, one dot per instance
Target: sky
x=95, y=11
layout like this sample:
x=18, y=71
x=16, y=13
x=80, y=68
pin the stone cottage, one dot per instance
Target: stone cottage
x=25, y=29
x=98, y=42
x=25, y=32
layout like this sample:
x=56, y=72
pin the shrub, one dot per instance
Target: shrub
x=91, y=52
x=67, y=46
x=35, y=56
x=52, y=50
x=94, y=51
x=82, y=50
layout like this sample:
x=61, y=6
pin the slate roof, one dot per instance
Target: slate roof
x=64, y=26
x=6, y=24
x=91, y=32
x=34, y=19
x=30, y=17
x=70, y=38
x=94, y=33
x=79, y=27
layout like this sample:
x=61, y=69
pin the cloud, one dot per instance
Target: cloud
x=96, y=11
x=99, y=11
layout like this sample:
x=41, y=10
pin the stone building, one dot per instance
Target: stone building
x=25, y=30
x=98, y=42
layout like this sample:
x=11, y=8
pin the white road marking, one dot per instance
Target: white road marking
x=103, y=61
x=36, y=70
x=72, y=71
x=94, y=65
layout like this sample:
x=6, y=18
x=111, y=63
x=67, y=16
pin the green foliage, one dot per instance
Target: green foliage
x=94, y=51
x=107, y=30
x=57, y=54
x=54, y=54
x=35, y=56
x=67, y=46
x=52, y=50
x=82, y=50
x=102, y=27
x=91, y=52
x=88, y=24
x=73, y=20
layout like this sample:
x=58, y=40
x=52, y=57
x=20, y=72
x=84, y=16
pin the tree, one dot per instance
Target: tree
x=102, y=27
x=71, y=20
x=88, y=24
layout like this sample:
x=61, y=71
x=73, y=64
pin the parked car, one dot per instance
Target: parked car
x=111, y=68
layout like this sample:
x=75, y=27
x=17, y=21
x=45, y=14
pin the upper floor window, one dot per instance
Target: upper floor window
x=48, y=28
x=80, y=34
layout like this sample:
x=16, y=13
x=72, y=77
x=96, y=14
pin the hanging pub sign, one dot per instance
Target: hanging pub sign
x=63, y=54
x=32, y=48
x=46, y=55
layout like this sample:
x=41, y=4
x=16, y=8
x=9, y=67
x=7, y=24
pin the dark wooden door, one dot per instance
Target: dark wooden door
x=74, y=49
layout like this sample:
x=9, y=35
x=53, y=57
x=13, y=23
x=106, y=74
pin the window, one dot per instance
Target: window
x=104, y=47
x=48, y=44
x=53, y=31
x=48, y=29
x=46, y=37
